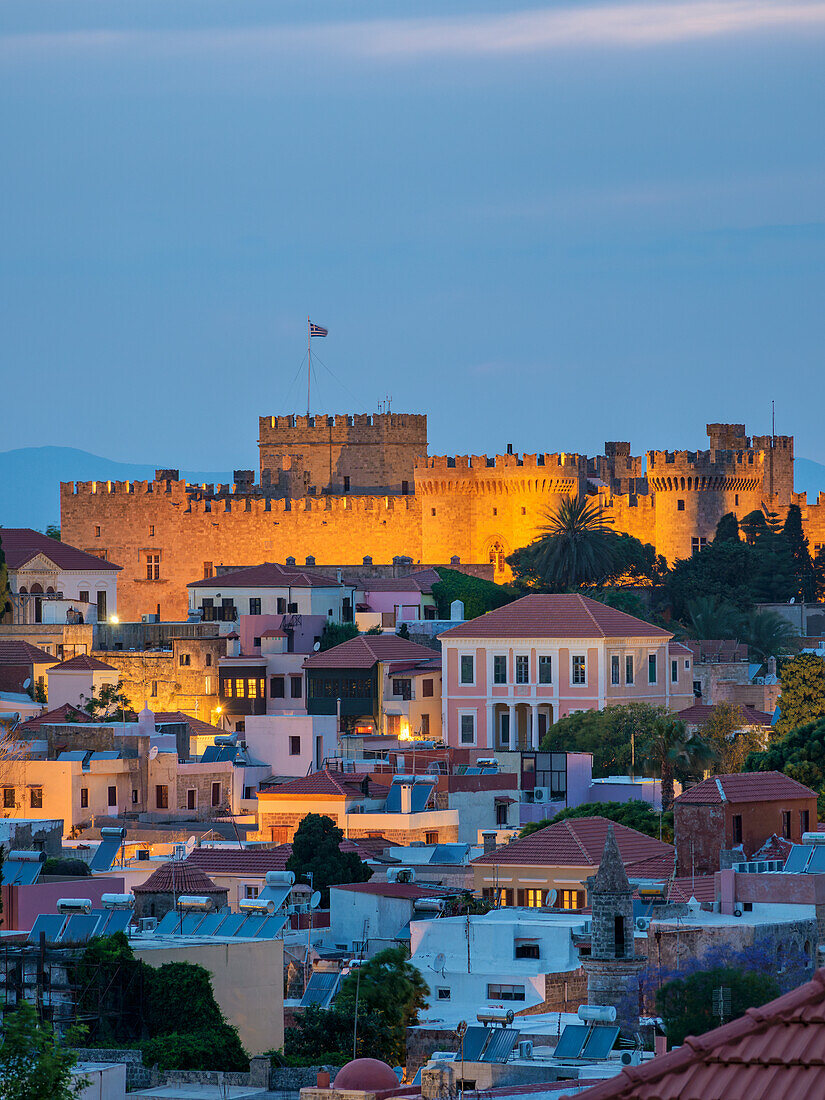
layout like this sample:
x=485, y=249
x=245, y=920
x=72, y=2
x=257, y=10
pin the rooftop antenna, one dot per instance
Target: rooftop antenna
x=773, y=422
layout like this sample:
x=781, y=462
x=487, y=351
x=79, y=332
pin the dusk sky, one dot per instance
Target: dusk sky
x=546, y=225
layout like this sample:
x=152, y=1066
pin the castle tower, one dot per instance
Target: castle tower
x=613, y=968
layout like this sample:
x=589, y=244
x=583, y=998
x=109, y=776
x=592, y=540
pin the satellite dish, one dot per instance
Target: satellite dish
x=439, y=961
x=315, y=900
x=550, y=897
x=317, y=646
x=27, y=683
x=190, y=844
x=153, y=752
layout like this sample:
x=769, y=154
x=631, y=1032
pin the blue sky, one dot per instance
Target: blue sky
x=549, y=225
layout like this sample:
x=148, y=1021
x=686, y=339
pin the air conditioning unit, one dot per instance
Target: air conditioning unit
x=148, y=924
x=642, y=923
x=539, y=794
x=630, y=1057
x=525, y=1049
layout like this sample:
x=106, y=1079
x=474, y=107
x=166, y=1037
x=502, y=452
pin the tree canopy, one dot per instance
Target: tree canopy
x=802, y=698
x=335, y=633
x=729, y=738
x=316, y=851
x=393, y=989
x=686, y=1004
x=108, y=701
x=477, y=594
x=607, y=734
x=5, y=591
x=34, y=1065
x=324, y=1036
x=800, y=754
x=635, y=814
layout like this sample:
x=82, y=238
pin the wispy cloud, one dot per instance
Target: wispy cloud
x=534, y=31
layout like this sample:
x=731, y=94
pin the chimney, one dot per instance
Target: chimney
x=406, y=798
x=772, y=666
x=489, y=841
x=322, y=1081
x=660, y=1044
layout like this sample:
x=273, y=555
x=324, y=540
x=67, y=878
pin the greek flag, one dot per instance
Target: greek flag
x=317, y=330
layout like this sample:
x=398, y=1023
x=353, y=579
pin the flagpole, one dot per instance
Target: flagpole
x=309, y=360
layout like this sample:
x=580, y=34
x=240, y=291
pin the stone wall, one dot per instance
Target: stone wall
x=159, y=678
x=138, y=1076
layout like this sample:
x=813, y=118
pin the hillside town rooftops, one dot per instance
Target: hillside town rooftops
x=744, y=787
x=578, y=842
x=566, y=615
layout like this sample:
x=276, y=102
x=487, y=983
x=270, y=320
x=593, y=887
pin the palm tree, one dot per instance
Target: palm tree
x=669, y=747
x=709, y=617
x=575, y=545
x=768, y=634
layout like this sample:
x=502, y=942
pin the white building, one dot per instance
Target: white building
x=52, y=582
x=271, y=589
x=366, y=917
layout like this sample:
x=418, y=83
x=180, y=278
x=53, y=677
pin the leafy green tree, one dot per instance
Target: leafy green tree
x=710, y=617
x=665, y=746
x=753, y=526
x=477, y=594
x=767, y=635
x=392, y=988
x=374, y=630
x=108, y=702
x=219, y=1048
x=803, y=692
x=608, y=734
x=5, y=591
x=52, y=532
x=403, y=631
x=775, y=579
x=316, y=850
x=819, y=573
x=800, y=754
x=575, y=546
x=730, y=739
x=65, y=866
x=33, y=1063
x=727, y=529
x=803, y=567
x=720, y=571
x=325, y=1036
x=686, y=1004
x=334, y=634
x=110, y=983
x=635, y=814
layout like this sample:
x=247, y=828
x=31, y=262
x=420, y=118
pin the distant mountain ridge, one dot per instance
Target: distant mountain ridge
x=30, y=480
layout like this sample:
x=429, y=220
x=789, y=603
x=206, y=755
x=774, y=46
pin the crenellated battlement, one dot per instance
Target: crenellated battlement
x=560, y=461
x=709, y=462
x=355, y=427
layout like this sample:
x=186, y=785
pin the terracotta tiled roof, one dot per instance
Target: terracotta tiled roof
x=181, y=876
x=367, y=649
x=678, y=647
x=775, y=847
x=577, y=842
x=21, y=544
x=744, y=787
x=196, y=725
x=409, y=890
x=327, y=783
x=257, y=861
x=13, y=677
x=16, y=652
x=559, y=616
x=776, y=1052
x=421, y=581
x=656, y=866
x=699, y=713
x=717, y=650
x=66, y=713
x=267, y=575
x=274, y=634
x=701, y=887
x=83, y=663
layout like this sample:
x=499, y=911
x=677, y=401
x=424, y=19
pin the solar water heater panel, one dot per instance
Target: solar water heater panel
x=571, y=1041
x=50, y=923
x=600, y=1043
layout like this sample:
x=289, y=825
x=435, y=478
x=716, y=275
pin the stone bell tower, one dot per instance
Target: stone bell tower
x=613, y=968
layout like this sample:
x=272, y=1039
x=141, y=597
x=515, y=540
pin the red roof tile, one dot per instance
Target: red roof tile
x=717, y=650
x=182, y=877
x=257, y=861
x=557, y=616
x=659, y=866
x=409, y=890
x=420, y=581
x=59, y=716
x=21, y=544
x=367, y=649
x=83, y=663
x=701, y=887
x=267, y=575
x=196, y=725
x=776, y=1052
x=577, y=842
x=744, y=787
x=325, y=782
x=16, y=652
x=274, y=634
x=700, y=713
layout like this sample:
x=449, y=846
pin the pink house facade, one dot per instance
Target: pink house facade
x=509, y=674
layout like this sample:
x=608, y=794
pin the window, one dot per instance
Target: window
x=296, y=687
x=295, y=746
x=674, y=672
x=208, y=611
x=614, y=669
x=468, y=729
x=443, y=994
x=651, y=668
x=216, y=794
x=97, y=532
x=292, y=608
x=250, y=892
x=697, y=688
x=135, y=796
x=101, y=607
x=208, y=571
x=804, y=821
x=522, y=669
x=405, y=488
x=240, y=689
x=402, y=688
x=346, y=483
x=153, y=567
x=426, y=689
x=432, y=511
x=572, y=899
x=84, y=596
x=579, y=669
x=254, y=605
x=628, y=669
x=425, y=725
x=112, y=796
x=786, y=824
x=499, y=992
x=534, y=899
x=527, y=951
x=84, y=798
x=185, y=659
x=499, y=669
x=545, y=670
x=467, y=668
x=151, y=530
x=276, y=687
x=431, y=836
x=697, y=544
x=505, y=729
x=36, y=798
x=680, y=506
x=162, y=797
x=618, y=936
x=736, y=824
x=281, y=605
x=252, y=689
x=191, y=799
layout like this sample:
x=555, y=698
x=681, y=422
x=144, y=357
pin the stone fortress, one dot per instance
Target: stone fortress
x=362, y=488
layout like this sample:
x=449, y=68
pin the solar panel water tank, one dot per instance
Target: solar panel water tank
x=22, y=868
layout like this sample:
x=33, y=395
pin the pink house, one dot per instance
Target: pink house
x=509, y=674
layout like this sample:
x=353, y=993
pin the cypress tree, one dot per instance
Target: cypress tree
x=727, y=529
x=5, y=592
x=800, y=555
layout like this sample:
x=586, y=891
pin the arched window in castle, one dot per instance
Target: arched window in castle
x=496, y=557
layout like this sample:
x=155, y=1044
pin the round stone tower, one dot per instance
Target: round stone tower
x=613, y=968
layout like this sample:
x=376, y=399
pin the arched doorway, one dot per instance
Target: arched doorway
x=37, y=592
x=496, y=556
